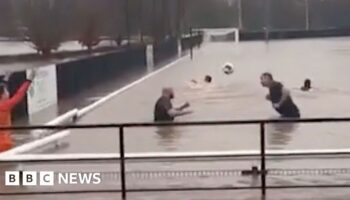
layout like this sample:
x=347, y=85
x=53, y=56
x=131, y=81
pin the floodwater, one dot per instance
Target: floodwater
x=237, y=96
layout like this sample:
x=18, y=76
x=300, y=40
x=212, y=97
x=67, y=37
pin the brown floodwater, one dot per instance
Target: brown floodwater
x=237, y=96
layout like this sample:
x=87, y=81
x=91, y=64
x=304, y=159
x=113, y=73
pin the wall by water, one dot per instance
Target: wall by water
x=76, y=76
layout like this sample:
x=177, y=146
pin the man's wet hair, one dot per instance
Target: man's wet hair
x=307, y=82
x=208, y=78
x=267, y=74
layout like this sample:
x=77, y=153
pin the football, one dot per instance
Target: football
x=228, y=68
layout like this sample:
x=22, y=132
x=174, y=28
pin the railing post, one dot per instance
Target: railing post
x=127, y=20
x=122, y=161
x=240, y=21
x=191, y=43
x=262, y=158
x=307, y=15
x=267, y=21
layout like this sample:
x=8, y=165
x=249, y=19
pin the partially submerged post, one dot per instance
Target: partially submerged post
x=150, y=57
x=191, y=43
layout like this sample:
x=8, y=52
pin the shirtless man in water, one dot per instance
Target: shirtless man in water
x=196, y=84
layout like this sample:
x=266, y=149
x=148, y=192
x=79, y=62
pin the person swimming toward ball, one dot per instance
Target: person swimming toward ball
x=195, y=84
x=199, y=84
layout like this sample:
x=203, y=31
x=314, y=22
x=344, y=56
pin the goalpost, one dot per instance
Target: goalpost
x=221, y=35
x=236, y=35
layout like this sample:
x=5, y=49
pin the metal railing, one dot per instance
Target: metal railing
x=262, y=154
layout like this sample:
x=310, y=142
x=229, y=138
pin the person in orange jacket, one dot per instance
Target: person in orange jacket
x=7, y=103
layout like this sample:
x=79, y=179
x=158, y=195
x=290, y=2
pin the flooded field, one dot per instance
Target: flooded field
x=238, y=96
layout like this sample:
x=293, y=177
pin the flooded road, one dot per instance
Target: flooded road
x=238, y=96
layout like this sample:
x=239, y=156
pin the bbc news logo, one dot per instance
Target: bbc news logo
x=50, y=178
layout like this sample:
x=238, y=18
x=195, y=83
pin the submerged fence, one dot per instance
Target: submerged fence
x=122, y=156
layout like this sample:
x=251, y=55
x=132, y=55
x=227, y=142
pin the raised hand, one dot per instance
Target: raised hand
x=7, y=75
x=32, y=75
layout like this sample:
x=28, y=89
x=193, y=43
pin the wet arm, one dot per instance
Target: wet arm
x=180, y=108
x=177, y=113
x=184, y=106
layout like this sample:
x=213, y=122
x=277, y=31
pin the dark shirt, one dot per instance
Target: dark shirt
x=162, y=108
x=288, y=108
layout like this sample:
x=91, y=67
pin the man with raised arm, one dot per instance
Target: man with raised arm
x=279, y=96
x=7, y=103
x=164, y=111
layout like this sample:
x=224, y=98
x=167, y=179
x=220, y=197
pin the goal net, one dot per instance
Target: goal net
x=221, y=35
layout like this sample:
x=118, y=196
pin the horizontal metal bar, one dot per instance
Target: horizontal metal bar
x=308, y=186
x=237, y=122
x=30, y=146
x=171, y=189
x=236, y=188
x=193, y=123
x=58, y=192
x=66, y=117
x=128, y=190
x=166, y=155
x=194, y=189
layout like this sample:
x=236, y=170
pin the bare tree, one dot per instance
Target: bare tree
x=41, y=24
x=7, y=22
x=89, y=33
x=91, y=20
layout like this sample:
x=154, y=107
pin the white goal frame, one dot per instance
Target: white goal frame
x=208, y=32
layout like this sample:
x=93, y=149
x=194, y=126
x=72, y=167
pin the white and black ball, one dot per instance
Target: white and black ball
x=228, y=68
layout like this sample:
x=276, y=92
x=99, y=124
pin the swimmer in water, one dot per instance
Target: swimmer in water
x=279, y=96
x=307, y=85
x=208, y=79
x=196, y=84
